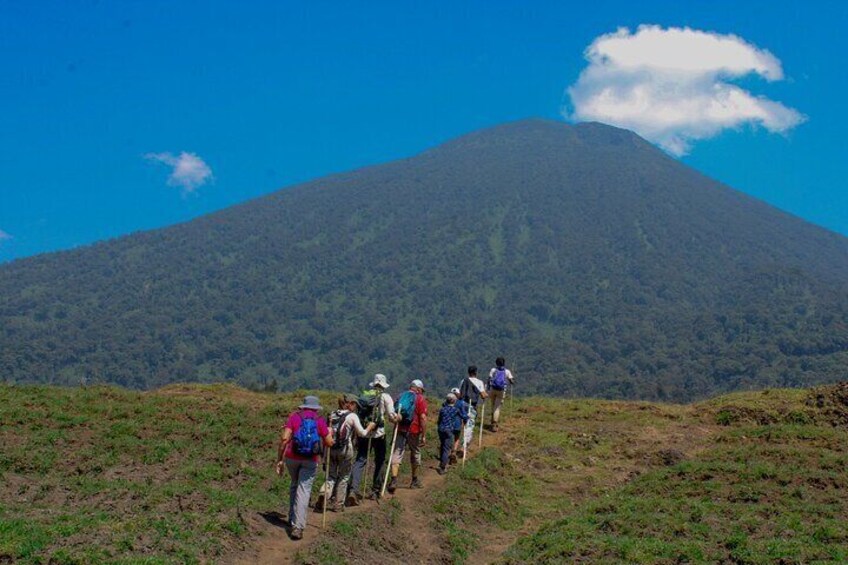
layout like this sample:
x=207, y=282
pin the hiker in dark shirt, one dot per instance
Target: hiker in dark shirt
x=450, y=421
x=473, y=391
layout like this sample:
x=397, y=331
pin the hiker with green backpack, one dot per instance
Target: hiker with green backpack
x=346, y=426
x=410, y=432
x=375, y=405
x=499, y=379
x=304, y=437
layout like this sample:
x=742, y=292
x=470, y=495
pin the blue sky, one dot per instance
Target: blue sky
x=100, y=100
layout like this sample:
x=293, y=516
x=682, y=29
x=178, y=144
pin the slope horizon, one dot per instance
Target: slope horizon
x=497, y=127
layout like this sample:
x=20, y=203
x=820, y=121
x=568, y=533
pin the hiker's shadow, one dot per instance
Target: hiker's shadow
x=275, y=519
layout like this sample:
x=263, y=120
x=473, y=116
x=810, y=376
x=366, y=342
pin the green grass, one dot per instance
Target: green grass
x=107, y=475
x=769, y=487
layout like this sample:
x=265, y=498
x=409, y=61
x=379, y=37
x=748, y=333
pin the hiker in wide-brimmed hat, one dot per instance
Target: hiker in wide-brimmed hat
x=304, y=437
x=411, y=432
x=374, y=405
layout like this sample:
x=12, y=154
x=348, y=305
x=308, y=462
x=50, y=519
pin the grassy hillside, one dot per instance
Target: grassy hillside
x=180, y=475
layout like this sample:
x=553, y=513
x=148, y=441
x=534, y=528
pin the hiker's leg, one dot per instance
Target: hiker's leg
x=293, y=467
x=497, y=401
x=400, y=449
x=414, y=453
x=469, y=426
x=333, y=476
x=359, y=464
x=306, y=476
x=378, y=446
x=445, y=444
x=345, y=466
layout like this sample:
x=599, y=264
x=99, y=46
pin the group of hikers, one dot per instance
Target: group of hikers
x=358, y=430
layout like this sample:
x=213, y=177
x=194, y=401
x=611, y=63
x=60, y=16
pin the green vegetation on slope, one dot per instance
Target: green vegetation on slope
x=600, y=265
x=108, y=475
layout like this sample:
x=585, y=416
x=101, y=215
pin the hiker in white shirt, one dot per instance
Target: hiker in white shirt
x=346, y=426
x=383, y=411
x=499, y=379
x=473, y=391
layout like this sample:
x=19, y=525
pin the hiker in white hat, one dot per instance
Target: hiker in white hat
x=375, y=405
x=303, y=440
x=411, y=431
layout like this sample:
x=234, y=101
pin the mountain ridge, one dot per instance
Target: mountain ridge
x=598, y=263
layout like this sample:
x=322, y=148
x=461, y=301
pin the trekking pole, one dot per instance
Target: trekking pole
x=465, y=445
x=389, y=466
x=326, y=494
x=482, y=419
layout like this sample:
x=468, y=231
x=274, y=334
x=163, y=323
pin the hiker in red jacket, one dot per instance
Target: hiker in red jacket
x=412, y=408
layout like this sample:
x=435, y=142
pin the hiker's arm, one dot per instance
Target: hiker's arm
x=423, y=419
x=328, y=439
x=285, y=437
x=360, y=431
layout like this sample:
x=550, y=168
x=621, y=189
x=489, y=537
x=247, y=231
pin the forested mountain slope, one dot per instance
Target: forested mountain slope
x=594, y=262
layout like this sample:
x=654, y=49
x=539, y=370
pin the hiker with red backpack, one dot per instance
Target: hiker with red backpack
x=346, y=426
x=499, y=379
x=304, y=437
x=410, y=432
x=473, y=391
x=375, y=405
x=449, y=424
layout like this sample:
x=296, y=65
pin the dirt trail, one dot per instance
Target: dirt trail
x=274, y=547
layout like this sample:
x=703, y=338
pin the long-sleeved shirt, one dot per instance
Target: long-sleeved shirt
x=386, y=409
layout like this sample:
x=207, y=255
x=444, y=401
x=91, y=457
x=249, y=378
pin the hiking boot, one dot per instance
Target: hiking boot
x=296, y=534
x=494, y=427
x=373, y=495
x=416, y=483
x=338, y=507
x=352, y=500
x=319, y=504
x=459, y=453
x=441, y=470
x=392, y=485
x=452, y=460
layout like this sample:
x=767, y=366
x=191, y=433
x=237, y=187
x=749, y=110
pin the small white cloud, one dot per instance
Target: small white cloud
x=189, y=172
x=4, y=237
x=671, y=85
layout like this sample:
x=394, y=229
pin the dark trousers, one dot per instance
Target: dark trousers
x=378, y=447
x=445, y=447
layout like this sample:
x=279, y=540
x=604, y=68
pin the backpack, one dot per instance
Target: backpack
x=305, y=440
x=337, y=420
x=447, y=417
x=499, y=379
x=406, y=407
x=366, y=408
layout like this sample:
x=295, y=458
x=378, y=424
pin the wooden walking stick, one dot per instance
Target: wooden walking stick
x=482, y=419
x=465, y=444
x=326, y=494
x=389, y=466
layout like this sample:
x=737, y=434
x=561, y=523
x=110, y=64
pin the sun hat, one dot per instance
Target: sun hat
x=347, y=397
x=417, y=384
x=455, y=391
x=451, y=396
x=311, y=403
x=380, y=381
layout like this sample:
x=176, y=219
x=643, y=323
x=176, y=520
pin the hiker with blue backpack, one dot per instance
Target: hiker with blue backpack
x=374, y=405
x=410, y=431
x=499, y=379
x=459, y=423
x=304, y=437
x=449, y=425
x=346, y=427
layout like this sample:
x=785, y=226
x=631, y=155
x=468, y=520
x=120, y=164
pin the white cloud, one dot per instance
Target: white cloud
x=189, y=171
x=672, y=86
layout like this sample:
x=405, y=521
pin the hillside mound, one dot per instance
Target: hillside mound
x=594, y=262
